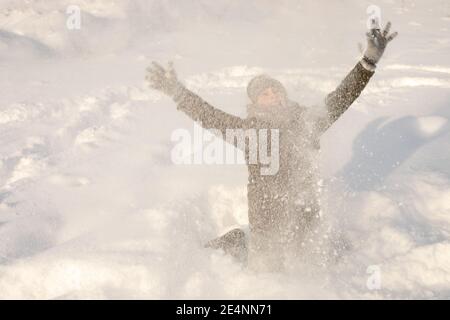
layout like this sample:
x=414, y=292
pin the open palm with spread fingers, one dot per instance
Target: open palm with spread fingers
x=164, y=80
x=377, y=41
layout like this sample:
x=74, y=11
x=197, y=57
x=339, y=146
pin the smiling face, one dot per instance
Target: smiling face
x=268, y=98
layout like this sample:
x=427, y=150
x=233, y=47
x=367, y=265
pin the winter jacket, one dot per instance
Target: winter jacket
x=284, y=207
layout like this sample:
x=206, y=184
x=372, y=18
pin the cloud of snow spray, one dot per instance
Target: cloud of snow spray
x=91, y=204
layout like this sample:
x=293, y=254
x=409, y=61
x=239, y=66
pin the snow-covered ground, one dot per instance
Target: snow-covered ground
x=91, y=205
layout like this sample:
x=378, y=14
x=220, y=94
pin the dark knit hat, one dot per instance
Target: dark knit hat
x=260, y=83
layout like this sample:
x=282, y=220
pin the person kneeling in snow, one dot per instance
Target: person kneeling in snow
x=283, y=208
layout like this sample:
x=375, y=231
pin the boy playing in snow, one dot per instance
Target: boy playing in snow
x=282, y=208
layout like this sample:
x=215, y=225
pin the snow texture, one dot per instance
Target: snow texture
x=91, y=205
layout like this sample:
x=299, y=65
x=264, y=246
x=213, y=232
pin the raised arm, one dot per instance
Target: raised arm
x=201, y=111
x=190, y=103
x=338, y=101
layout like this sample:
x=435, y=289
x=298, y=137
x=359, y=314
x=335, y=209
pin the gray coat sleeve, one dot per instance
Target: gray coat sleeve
x=205, y=114
x=208, y=116
x=338, y=101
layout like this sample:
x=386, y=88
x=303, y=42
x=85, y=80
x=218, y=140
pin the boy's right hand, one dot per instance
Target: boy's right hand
x=164, y=80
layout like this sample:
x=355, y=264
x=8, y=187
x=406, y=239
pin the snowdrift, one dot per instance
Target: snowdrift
x=91, y=205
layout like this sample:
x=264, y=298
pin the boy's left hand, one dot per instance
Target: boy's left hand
x=376, y=44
